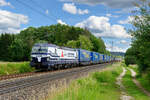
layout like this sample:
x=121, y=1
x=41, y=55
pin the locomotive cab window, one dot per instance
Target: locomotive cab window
x=38, y=49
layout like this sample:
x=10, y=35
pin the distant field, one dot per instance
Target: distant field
x=7, y=68
x=1, y=62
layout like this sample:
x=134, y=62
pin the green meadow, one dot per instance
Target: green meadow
x=7, y=68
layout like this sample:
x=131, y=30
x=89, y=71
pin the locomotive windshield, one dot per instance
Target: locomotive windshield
x=39, y=49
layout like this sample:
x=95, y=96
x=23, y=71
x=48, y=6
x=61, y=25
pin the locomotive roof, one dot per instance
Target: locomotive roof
x=52, y=45
x=66, y=48
x=45, y=44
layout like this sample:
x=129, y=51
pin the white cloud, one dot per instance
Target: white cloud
x=109, y=3
x=110, y=15
x=4, y=3
x=11, y=22
x=46, y=11
x=123, y=42
x=118, y=49
x=82, y=12
x=127, y=10
x=115, y=48
x=71, y=8
x=61, y=22
x=126, y=21
x=101, y=27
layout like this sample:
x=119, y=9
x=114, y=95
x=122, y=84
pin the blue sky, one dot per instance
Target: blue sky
x=104, y=18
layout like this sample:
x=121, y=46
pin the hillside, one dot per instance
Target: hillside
x=118, y=53
x=17, y=47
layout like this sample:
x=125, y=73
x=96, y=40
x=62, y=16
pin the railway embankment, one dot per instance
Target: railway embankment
x=40, y=86
x=99, y=85
x=113, y=83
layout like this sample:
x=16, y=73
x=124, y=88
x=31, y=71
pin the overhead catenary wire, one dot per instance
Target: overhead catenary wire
x=37, y=11
x=41, y=7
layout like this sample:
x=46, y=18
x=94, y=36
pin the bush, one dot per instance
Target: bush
x=130, y=60
x=105, y=76
x=25, y=68
x=101, y=77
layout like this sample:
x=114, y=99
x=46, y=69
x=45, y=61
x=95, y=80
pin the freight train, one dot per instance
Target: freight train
x=50, y=56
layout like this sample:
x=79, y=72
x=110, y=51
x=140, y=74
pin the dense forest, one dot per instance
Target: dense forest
x=139, y=53
x=17, y=47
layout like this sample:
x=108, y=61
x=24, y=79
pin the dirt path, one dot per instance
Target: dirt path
x=124, y=95
x=133, y=74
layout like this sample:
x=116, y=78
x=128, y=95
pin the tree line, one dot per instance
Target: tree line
x=139, y=53
x=17, y=47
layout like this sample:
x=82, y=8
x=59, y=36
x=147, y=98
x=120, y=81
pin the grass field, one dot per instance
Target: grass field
x=7, y=68
x=132, y=89
x=97, y=86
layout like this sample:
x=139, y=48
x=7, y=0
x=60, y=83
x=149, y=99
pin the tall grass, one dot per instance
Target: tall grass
x=145, y=81
x=143, y=78
x=98, y=86
x=7, y=68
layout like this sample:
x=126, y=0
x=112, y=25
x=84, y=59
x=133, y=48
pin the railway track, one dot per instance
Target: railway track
x=5, y=77
x=12, y=76
x=7, y=87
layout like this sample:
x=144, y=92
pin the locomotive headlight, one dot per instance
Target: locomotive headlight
x=48, y=59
